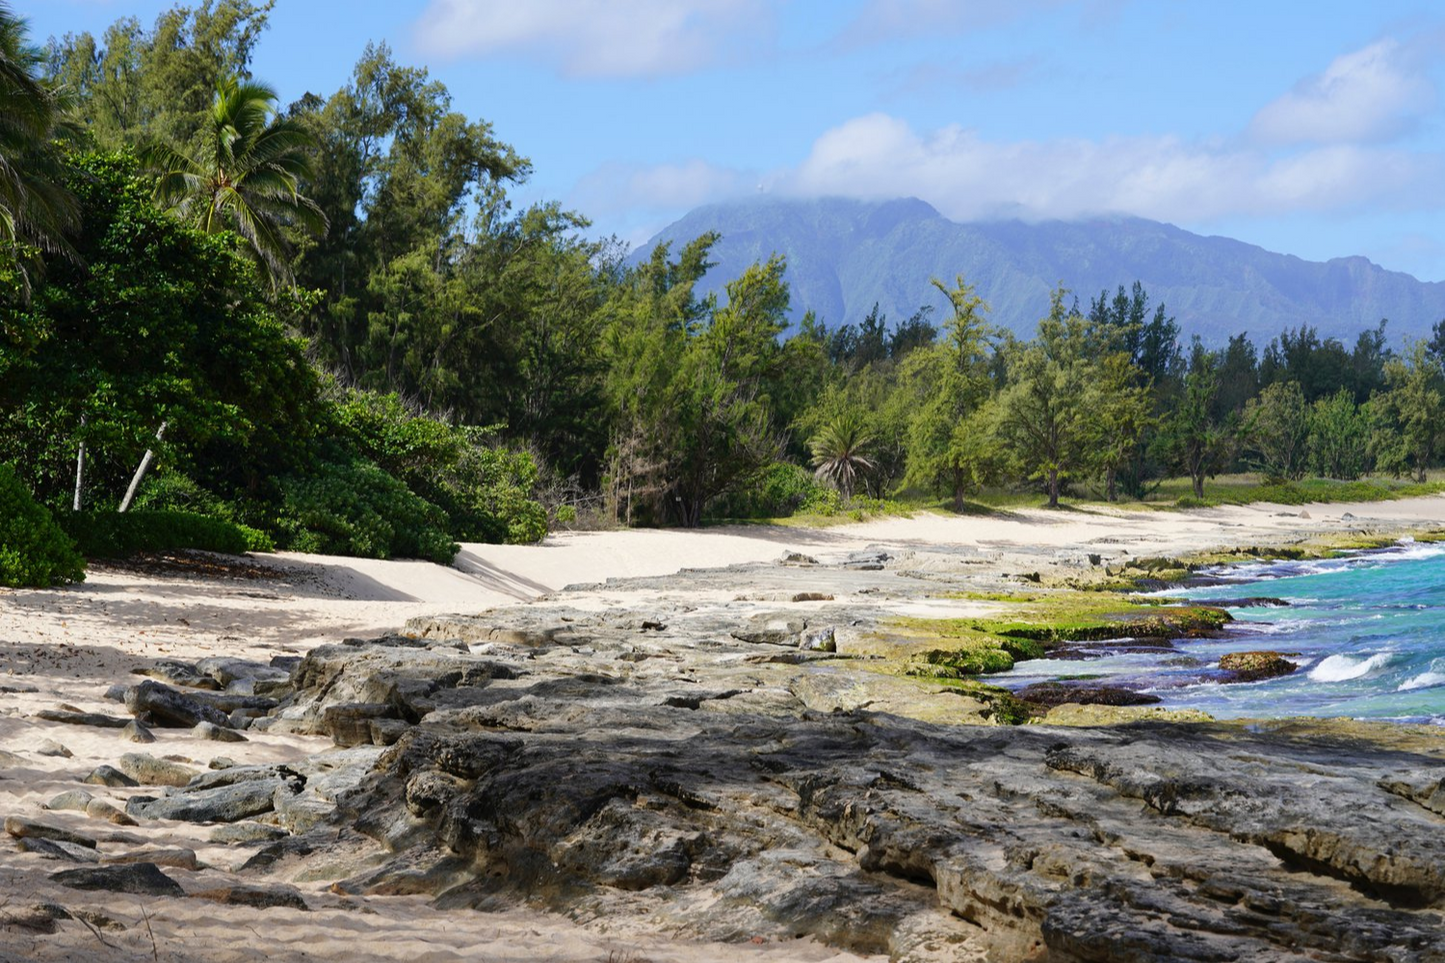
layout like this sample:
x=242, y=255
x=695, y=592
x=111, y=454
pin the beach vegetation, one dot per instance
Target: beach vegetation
x=331, y=322
x=34, y=551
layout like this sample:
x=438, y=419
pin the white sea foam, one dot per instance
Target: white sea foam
x=1339, y=668
x=1423, y=681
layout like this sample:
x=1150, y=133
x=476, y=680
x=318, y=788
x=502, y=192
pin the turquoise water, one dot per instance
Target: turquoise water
x=1368, y=632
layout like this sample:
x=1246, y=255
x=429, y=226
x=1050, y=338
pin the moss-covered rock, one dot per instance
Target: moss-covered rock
x=1254, y=666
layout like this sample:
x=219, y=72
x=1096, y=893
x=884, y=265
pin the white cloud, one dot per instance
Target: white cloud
x=970, y=178
x=1366, y=96
x=966, y=176
x=599, y=38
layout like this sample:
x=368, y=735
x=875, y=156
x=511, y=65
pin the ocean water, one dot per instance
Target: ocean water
x=1367, y=630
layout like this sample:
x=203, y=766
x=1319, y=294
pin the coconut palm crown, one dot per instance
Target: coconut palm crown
x=36, y=209
x=245, y=175
x=840, y=452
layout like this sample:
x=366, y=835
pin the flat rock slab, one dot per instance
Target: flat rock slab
x=30, y=829
x=98, y=719
x=256, y=897
x=150, y=771
x=175, y=857
x=170, y=707
x=59, y=849
x=138, y=879
x=215, y=733
x=12, y=760
x=224, y=804
x=110, y=776
x=246, y=832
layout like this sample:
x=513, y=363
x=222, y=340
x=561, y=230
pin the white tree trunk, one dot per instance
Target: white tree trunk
x=140, y=472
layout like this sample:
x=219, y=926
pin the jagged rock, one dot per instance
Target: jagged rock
x=227, y=671
x=1084, y=694
x=24, y=828
x=76, y=799
x=141, y=879
x=222, y=804
x=349, y=723
x=256, y=897
x=49, y=747
x=1253, y=666
x=801, y=801
x=821, y=639
x=147, y=770
x=385, y=732
x=246, y=832
x=214, y=733
x=174, y=857
x=178, y=673
x=110, y=776
x=135, y=731
x=299, y=812
x=796, y=558
x=169, y=707
x=73, y=718
x=811, y=597
x=771, y=630
x=59, y=849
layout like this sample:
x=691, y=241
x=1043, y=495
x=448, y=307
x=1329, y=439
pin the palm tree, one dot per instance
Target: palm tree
x=36, y=209
x=245, y=177
x=840, y=452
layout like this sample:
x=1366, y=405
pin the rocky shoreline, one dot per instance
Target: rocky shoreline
x=717, y=756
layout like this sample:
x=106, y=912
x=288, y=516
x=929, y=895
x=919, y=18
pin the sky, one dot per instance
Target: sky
x=1313, y=129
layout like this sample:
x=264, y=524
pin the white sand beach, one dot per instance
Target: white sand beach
x=66, y=647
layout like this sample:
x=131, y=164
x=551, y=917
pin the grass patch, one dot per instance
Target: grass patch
x=958, y=648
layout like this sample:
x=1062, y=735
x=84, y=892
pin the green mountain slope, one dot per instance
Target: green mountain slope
x=844, y=255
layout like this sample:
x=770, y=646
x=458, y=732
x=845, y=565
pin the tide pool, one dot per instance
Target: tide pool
x=1367, y=630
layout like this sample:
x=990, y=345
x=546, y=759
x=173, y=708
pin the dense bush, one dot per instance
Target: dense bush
x=34, y=551
x=354, y=507
x=781, y=489
x=485, y=490
x=115, y=535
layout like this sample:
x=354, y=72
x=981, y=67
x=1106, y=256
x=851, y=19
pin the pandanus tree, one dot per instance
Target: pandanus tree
x=245, y=175
x=840, y=452
x=36, y=209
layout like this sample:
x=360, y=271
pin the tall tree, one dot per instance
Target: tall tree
x=1410, y=416
x=1193, y=438
x=246, y=176
x=36, y=209
x=950, y=448
x=1045, y=416
x=136, y=84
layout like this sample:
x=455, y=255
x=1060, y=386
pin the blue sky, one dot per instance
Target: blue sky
x=1313, y=129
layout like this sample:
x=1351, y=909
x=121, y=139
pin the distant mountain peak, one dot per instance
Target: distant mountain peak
x=846, y=254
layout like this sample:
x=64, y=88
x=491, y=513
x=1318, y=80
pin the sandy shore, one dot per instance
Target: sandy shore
x=67, y=646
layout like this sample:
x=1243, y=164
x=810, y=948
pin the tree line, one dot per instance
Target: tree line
x=358, y=343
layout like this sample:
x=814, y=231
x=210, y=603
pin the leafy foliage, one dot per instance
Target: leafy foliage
x=115, y=535
x=353, y=507
x=34, y=551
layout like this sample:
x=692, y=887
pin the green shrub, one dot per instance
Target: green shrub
x=484, y=489
x=116, y=535
x=355, y=508
x=34, y=551
x=779, y=490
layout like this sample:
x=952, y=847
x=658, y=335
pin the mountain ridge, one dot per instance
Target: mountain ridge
x=844, y=255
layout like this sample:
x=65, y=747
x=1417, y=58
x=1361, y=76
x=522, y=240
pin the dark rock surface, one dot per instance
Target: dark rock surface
x=170, y=707
x=673, y=775
x=142, y=879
